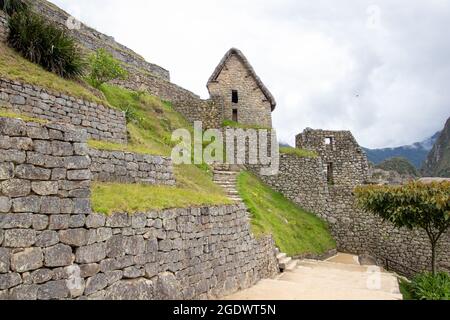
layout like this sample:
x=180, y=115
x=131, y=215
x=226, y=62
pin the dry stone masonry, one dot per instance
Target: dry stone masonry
x=101, y=123
x=3, y=26
x=127, y=167
x=52, y=246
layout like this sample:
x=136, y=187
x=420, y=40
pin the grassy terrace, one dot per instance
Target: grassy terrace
x=298, y=152
x=14, y=67
x=8, y=114
x=295, y=231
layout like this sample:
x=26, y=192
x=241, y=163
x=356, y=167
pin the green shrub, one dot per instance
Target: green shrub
x=425, y=286
x=45, y=44
x=104, y=68
x=13, y=6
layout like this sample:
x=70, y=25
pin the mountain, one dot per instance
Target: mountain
x=437, y=163
x=415, y=153
x=399, y=165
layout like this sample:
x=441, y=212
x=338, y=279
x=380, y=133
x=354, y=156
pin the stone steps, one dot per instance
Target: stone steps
x=225, y=176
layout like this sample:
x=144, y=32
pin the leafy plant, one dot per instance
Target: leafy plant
x=45, y=44
x=13, y=6
x=415, y=205
x=427, y=286
x=104, y=68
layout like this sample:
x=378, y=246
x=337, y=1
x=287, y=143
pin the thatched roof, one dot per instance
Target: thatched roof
x=240, y=55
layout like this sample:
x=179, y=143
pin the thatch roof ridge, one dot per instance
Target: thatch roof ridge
x=247, y=64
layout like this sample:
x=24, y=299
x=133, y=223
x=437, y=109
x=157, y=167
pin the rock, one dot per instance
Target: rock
x=114, y=276
x=89, y=270
x=77, y=221
x=52, y=205
x=73, y=237
x=15, y=220
x=47, y=238
x=151, y=270
x=92, y=253
x=79, y=175
x=58, y=256
x=27, y=260
x=5, y=205
x=75, y=283
x=6, y=170
x=95, y=220
x=19, y=238
x=45, y=188
x=367, y=260
x=118, y=220
x=60, y=148
x=59, y=222
x=115, y=247
x=135, y=245
x=77, y=162
x=41, y=276
x=28, y=204
x=133, y=272
x=30, y=172
x=138, y=289
x=53, y=290
x=16, y=188
x=96, y=283
x=40, y=222
x=167, y=287
x=24, y=292
x=5, y=258
x=82, y=206
x=9, y=280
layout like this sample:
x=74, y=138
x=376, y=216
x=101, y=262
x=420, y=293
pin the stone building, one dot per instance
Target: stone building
x=240, y=93
x=344, y=160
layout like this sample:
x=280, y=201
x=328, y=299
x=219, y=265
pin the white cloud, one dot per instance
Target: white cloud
x=378, y=68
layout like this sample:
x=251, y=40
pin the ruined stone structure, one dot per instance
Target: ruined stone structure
x=324, y=185
x=3, y=26
x=52, y=246
x=240, y=92
x=101, y=122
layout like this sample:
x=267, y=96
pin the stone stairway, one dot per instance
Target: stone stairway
x=225, y=176
x=285, y=263
x=338, y=278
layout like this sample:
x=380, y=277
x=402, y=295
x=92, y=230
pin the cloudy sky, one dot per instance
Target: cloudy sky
x=378, y=68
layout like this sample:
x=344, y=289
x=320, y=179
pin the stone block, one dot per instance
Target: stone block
x=16, y=220
x=9, y=280
x=91, y=253
x=47, y=238
x=16, y=188
x=6, y=170
x=58, y=256
x=27, y=260
x=45, y=188
x=53, y=290
x=19, y=238
x=73, y=237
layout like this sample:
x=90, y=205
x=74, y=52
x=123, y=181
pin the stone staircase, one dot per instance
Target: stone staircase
x=285, y=263
x=225, y=175
x=338, y=278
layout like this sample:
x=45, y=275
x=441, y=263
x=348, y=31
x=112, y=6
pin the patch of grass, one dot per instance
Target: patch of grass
x=9, y=114
x=14, y=67
x=406, y=289
x=295, y=231
x=109, y=198
x=237, y=125
x=298, y=152
x=111, y=146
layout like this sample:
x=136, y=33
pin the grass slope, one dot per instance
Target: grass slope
x=14, y=67
x=295, y=231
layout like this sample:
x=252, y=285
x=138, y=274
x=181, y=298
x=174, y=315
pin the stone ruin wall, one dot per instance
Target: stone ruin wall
x=101, y=123
x=52, y=246
x=304, y=181
x=127, y=167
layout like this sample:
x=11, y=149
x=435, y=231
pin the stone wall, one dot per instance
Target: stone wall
x=101, y=123
x=304, y=181
x=92, y=40
x=3, y=26
x=127, y=167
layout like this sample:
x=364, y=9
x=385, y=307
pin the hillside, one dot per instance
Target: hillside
x=437, y=163
x=415, y=153
x=399, y=165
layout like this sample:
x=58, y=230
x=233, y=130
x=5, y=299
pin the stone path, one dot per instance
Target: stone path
x=226, y=177
x=338, y=278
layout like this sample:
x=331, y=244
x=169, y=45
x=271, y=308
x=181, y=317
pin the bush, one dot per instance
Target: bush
x=13, y=6
x=425, y=286
x=45, y=44
x=104, y=68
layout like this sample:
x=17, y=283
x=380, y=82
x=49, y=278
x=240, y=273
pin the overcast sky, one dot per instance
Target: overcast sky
x=378, y=68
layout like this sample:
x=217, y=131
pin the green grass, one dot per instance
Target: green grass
x=14, y=67
x=8, y=114
x=406, y=290
x=298, y=152
x=109, y=198
x=295, y=231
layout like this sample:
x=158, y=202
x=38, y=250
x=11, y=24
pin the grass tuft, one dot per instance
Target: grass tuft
x=295, y=231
